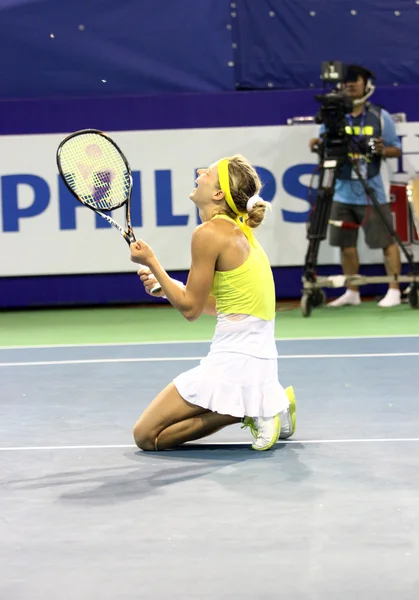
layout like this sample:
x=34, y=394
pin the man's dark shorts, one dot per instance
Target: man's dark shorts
x=376, y=234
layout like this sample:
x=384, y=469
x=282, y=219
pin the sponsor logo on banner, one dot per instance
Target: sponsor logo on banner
x=44, y=230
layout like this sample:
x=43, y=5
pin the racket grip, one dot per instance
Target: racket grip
x=156, y=289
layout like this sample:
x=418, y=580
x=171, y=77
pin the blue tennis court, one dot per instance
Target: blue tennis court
x=332, y=512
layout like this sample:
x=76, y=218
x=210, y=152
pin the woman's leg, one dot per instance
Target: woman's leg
x=170, y=421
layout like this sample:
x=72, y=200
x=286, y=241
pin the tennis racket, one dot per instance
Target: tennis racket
x=97, y=173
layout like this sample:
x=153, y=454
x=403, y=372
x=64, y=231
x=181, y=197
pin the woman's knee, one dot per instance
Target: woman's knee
x=144, y=439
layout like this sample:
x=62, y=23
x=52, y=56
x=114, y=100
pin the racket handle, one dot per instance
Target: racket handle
x=156, y=289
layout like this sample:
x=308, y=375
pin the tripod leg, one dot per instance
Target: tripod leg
x=317, y=230
x=371, y=194
x=414, y=295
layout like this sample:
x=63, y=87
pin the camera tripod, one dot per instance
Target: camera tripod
x=313, y=294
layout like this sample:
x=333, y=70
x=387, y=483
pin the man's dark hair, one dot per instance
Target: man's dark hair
x=354, y=71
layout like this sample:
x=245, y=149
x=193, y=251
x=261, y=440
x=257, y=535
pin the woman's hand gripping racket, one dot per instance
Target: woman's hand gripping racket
x=97, y=173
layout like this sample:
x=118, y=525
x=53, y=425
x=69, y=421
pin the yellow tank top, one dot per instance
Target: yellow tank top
x=248, y=289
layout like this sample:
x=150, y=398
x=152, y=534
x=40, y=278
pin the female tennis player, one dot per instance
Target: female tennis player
x=230, y=277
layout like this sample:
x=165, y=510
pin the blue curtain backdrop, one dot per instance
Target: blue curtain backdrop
x=70, y=48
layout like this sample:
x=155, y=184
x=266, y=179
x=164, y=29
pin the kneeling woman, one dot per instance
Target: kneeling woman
x=230, y=277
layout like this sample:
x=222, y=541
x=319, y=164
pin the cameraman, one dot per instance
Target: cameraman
x=350, y=203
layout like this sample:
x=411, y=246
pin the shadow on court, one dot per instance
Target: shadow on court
x=232, y=465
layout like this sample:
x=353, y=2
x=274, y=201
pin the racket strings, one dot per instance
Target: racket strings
x=95, y=171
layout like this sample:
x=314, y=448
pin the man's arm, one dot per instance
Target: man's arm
x=391, y=152
x=390, y=147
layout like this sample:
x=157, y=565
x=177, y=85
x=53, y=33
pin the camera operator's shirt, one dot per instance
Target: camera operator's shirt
x=350, y=191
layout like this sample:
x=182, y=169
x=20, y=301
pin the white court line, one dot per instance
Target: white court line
x=107, y=344
x=174, y=342
x=239, y=443
x=147, y=359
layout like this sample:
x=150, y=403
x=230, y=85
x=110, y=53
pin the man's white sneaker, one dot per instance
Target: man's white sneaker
x=348, y=298
x=392, y=298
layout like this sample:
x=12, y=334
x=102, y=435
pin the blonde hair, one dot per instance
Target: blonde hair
x=245, y=183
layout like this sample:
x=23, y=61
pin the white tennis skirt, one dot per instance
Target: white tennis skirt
x=234, y=384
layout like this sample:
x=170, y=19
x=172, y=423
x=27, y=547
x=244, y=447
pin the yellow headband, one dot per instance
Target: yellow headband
x=225, y=184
